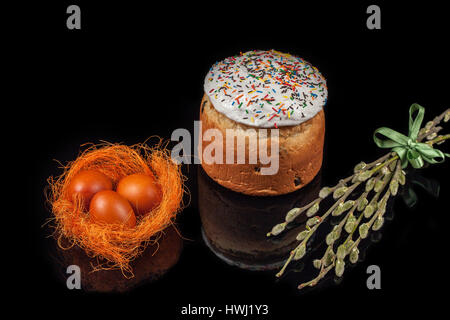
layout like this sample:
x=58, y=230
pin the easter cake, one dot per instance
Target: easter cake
x=267, y=90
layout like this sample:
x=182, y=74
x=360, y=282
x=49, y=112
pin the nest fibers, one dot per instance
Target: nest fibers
x=115, y=246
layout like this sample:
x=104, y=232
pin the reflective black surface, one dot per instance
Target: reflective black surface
x=234, y=226
x=129, y=75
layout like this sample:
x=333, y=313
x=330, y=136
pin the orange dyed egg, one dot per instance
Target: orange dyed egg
x=142, y=191
x=111, y=208
x=87, y=183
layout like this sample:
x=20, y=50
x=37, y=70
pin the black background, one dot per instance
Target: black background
x=137, y=70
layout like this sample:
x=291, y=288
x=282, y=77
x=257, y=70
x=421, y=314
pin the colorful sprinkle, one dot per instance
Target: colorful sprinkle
x=265, y=85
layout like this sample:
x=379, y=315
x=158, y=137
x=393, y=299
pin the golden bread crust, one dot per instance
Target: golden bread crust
x=300, y=155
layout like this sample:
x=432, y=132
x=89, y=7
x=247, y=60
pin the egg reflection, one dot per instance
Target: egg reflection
x=154, y=262
x=234, y=226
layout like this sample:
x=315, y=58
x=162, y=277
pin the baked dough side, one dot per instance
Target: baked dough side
x=300, y=155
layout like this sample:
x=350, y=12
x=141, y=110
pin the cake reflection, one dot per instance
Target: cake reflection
x=154, y=262
x=234, y=226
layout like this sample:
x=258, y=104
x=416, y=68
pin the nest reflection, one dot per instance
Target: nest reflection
x=154, y=262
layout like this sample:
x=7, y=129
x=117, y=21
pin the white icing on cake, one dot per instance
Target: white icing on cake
x=266, y=89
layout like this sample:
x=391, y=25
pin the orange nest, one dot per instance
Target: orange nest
x=117, y=244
